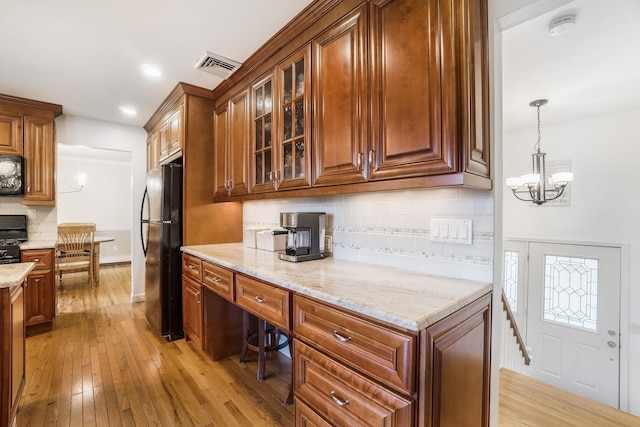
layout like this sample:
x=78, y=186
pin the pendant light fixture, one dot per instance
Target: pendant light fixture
x=534, y=187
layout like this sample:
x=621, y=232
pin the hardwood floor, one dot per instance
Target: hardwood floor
x=525, y=401
x=102, y=365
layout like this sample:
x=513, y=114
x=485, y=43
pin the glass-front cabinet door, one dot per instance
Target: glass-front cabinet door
x=263, y=156
x=294, y=89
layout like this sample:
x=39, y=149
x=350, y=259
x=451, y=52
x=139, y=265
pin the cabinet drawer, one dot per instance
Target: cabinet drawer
x=43, y=258
x=344, y=396
x=307, y=417
x=264, y=300
x=387, y=355
x=218, y=279
x=192, y=266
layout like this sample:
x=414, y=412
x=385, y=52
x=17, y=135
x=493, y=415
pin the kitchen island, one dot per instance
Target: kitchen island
x=12, y=338
x=372, y=344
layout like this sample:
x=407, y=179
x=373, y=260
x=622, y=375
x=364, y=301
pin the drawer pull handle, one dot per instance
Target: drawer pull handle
x=36, y=260
x=192, y=267
x=215, y=279
x=259, y=299
x=340, y=337
x=337, y=400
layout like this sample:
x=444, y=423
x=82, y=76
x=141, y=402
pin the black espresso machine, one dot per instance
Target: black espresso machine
x=305, y=235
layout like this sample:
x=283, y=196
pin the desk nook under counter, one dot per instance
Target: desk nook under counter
x=371, y=345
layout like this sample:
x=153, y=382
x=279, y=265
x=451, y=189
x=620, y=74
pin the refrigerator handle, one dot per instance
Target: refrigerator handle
x=145, y=197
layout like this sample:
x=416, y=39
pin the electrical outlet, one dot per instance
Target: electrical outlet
x=115, y=248
x=328, y=244
x=31, y=213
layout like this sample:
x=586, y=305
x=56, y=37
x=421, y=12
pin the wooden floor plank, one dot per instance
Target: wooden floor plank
x=102, y=365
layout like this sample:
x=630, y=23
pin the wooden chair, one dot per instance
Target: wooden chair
x=75, y=249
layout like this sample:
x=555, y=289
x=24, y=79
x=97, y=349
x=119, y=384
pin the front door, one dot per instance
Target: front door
x=573, y=318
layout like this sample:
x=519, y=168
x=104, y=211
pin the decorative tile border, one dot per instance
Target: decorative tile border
x=464, y=259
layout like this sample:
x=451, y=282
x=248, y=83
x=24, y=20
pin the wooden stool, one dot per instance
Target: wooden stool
x=266, y=339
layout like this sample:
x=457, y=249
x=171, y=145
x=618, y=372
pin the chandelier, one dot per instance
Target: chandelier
x=535, y=187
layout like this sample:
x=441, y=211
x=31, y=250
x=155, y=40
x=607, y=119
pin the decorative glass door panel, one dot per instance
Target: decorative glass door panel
x=294, y=163
x=262, y=135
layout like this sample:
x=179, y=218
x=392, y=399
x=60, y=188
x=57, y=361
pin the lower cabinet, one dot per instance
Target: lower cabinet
x=349, y=370
x=344, y=396
x=455, y=356
x=40, y=290
x=12, y=352
x=192, y=309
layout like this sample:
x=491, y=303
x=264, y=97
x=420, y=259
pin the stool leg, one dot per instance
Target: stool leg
x=245, y=335
x=261, y=352
x=289, y=400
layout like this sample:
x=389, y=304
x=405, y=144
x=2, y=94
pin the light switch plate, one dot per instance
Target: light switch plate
x=451, y=231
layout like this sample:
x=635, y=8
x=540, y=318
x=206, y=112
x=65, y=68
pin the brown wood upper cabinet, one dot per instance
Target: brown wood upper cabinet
x=281, y=134
x=27, y=128
x=429, y=97
x=231, y=144
x=10, y=133
x=164, y=143
x=399, y=99
x=339, y=79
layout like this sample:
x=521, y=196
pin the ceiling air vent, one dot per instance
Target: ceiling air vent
x=217, y=65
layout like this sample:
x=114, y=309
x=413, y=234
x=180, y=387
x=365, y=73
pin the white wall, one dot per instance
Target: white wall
x=73, y=130
x=604, y=208
x=104, y=200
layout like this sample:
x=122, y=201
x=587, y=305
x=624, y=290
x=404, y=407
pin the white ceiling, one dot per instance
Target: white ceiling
x=593, y=69
x=86, y=55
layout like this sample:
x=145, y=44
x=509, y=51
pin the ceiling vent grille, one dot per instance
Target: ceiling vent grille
x=217, y=65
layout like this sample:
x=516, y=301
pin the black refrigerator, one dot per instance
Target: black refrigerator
x=161, y=234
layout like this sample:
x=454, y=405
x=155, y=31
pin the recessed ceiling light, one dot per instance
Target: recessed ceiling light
x=128, y=111
x=562, y=25
x=150, y=70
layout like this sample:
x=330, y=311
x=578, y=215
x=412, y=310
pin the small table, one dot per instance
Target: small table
x=96, y=255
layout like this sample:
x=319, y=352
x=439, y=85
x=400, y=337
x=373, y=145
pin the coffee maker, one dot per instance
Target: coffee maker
x=305, y=235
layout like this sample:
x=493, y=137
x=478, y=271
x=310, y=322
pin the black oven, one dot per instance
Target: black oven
x=13, y=231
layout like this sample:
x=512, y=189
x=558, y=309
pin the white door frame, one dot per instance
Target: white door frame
x=624, y=304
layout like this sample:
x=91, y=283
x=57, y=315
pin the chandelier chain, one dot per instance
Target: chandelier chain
x=537, y=146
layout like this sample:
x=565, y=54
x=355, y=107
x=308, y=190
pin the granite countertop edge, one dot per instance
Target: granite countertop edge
x=11, y=275
x=38, y=244
x=383, y=293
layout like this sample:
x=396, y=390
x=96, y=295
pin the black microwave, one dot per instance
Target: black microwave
x=11, y=179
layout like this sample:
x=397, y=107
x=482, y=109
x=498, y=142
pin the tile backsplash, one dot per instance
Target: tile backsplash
x=392, y=228
x=43, y=223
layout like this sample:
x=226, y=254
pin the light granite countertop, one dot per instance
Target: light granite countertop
x=403, y=298
x=13, y=274
x=38, y=244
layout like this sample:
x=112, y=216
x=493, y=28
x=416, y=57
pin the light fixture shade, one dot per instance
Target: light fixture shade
x=562, y=178
x=531, y=178
x=514, y=183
